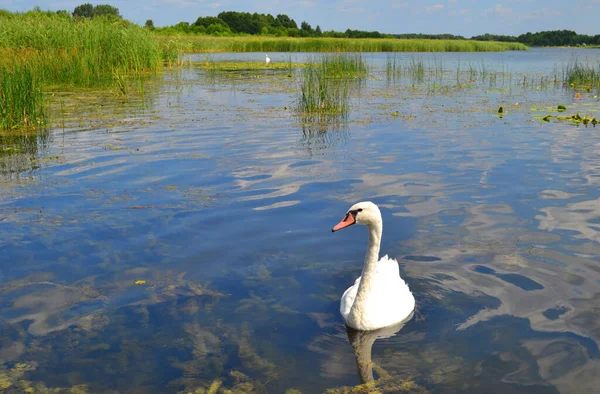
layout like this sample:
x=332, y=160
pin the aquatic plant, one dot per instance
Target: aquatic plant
x=386, y=384
x=393, y=68
x=39, y=50
x=21, y=97
x=582, y=75
x=215, y=66
x=200, y=44
x=343, y=65
x=326, y=84
x=575, y=119
x=416, y=69
x=18, y=154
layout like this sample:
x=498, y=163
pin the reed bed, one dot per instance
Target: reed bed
x=21, y=96
x=199, y=44
x=582, y=75
x=326, y=86
x=38, y=50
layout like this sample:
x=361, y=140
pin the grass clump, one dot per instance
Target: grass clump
x=326, y=86
x=45, y=49
x=343, y=65
x=21, y=96
x=582, y=75
x=296, y=44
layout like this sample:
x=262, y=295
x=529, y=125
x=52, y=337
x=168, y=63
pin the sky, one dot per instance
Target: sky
x=461, y=17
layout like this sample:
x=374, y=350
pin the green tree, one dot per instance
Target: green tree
x=306, y=29
x=286, y=21
x=106, y=10
x=318, y=31
x=84, y=11
x=183, y=27
x=209, y=20
x=149, y=24
x=63, y=13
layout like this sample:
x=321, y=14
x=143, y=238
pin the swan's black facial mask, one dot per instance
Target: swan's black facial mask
x=347, y=221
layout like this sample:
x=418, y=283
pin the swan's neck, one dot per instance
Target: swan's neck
x=371, y=259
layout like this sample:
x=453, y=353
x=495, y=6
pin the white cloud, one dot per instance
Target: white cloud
x=349, y=6
x=498, y=9
x=434, y=8
x=463, y=11
x=182, y=3
x=306, y=3
x=542, y=13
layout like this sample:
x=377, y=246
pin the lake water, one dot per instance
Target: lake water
x=212, y=196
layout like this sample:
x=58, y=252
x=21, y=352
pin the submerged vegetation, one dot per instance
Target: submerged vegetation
x=40, y=50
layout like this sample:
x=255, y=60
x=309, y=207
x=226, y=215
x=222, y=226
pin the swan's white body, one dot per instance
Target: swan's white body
x=379, y=297
x=267, y=59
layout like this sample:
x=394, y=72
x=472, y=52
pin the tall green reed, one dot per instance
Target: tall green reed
x=326, y=86
x=288, y=44
x=21, y=96
x=42, y=50
x=582, y=74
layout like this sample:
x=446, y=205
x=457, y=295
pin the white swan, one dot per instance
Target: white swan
x=267, y=59
x=379, y=297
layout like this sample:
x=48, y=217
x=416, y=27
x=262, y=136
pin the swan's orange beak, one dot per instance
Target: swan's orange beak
x=348, y=220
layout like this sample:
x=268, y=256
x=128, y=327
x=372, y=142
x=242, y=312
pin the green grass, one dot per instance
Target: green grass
x=343, y=65
x=199, y=44
x=41, y=50
x=582, y=75
x=21, y=96
x=326, y=84
x=211, y=65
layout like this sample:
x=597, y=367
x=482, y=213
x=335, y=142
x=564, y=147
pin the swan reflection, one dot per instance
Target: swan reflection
x=362, y=344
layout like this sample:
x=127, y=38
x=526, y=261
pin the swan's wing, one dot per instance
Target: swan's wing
x=393, y=299
x=387, y=268
x=348, y=298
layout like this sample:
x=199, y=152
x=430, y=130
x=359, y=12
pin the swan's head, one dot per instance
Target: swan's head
x=364, y=212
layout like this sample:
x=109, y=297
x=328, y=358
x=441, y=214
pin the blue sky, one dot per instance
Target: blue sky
x=464, y=17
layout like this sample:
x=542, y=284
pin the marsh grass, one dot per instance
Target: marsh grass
x=582, y=75
x=326, y=86
x=44, y=51
x=288, y=44
x=432, y=75
x=21, y=96
x=415, y=69
x=235, y=66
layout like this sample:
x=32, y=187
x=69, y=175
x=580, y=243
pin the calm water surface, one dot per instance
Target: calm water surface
x=218, y=199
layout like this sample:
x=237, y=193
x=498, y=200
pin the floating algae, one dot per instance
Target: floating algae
x=575, y=119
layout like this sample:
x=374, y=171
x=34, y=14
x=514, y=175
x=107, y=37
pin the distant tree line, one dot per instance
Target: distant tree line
x=430, y=36
x=235, y=23
x=543, y=38
x=230, y=23
x=551, y=38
